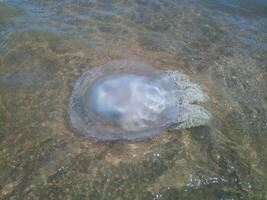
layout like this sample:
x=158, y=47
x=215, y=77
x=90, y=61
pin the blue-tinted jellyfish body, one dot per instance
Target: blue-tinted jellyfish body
x=132, y=100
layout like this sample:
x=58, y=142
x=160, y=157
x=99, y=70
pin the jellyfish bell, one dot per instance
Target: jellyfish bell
x=132, y=100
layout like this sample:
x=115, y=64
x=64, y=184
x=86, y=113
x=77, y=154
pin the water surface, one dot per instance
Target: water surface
x=46, y=45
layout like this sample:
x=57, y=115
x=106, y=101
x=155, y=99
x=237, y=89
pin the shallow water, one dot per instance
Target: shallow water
x=46, y=45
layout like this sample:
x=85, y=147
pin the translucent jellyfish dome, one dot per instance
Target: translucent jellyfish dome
x=125, y=100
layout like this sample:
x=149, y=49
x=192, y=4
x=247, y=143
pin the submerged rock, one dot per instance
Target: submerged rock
x=132, y=100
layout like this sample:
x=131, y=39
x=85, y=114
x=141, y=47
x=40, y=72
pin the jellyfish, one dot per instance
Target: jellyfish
x=131, y=100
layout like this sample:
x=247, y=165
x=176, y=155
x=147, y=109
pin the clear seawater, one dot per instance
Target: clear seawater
x=46, y=45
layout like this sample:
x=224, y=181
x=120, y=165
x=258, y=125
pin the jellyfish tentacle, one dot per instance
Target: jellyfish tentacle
x=193, y=115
